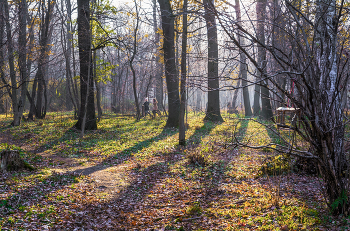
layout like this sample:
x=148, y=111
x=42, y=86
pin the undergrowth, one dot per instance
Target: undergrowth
x=205, y=186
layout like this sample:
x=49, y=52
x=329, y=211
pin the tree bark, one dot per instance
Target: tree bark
x=22, y=53
x=182, y=127
x=10, y=160
x=213, y=109
x=87, y=118
x=243, y=65
x=266, y=110
x=329, y=117
x=138, y=114
x=14, y=94
x=98, y=89
x=169, y=59
x=158, y=72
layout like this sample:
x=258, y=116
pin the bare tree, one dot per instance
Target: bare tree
x=182, y=127
x=213, y=109
x=170, y=67
x=243, y=64
x=87, y=117
x=311, y=61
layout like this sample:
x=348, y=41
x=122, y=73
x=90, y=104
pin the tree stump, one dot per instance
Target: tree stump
x=10, y=160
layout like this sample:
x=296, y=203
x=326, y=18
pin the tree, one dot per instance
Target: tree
x=311, y=61
x=182, y=127
x=39, y=89
x=266, y=111
x=87, y=117
x=213, y=109
x=17, y=104
x=159, y=67
x=131, y=60
x=243, y=64
x=170, y=67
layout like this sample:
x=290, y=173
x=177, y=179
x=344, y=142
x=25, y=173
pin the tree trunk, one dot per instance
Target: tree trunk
x=158, y=72
x=182, y=127
x=98, y=89
x=234, y=98
x=169, y=59
x=138, y=114
x=2, y=61
x=10, y=160
x=16, y=116
x=329, y=118
x=71, y=96
x=87, y=118
x=22, y=53
x=213, y=109
x=266, y=110
x=243, y=65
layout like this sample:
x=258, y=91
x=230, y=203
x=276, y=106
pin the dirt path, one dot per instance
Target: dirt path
x=104, y=177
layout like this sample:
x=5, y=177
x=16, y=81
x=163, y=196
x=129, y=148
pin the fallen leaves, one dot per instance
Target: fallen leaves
x=138, y=179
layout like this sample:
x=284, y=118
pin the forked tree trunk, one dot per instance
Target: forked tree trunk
x=329, y=117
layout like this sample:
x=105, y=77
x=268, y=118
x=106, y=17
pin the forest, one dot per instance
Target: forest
x=174, y=115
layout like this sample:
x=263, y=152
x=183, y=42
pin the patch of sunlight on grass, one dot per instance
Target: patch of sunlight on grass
x=256, y=134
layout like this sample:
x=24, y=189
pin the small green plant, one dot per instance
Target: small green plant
x=11, y=220
x=197, y=158
x=194, y=209
x=275, y=165
x=341, y=201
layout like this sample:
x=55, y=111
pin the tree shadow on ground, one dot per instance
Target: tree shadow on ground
x=121, y=211
x=127, y=153
x=200, y=132
x=242, y=130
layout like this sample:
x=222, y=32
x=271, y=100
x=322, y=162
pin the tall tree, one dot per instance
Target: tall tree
x=311, y=61
x=71, y=91
x=243, y=63
x=266, y=110
x=131, y=60
x=329, y=118
x=182, y=127
x=22, y=53
x=213, y=109
x=87, y=117
x=158, y=70
x=169, y=59
x=14, y=85
x=39, y=93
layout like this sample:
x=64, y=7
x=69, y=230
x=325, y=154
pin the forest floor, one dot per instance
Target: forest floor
x=132, y=175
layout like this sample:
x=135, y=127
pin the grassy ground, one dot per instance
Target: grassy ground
x=131, y=175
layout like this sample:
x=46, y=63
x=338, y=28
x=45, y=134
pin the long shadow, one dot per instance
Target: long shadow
x=71, y=134
x=118, y=209
x=127, y=153
x=242, y=130
x=195, y=138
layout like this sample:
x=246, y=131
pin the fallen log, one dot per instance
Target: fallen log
x=10, y=160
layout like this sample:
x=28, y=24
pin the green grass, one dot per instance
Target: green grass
x=226, y=189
